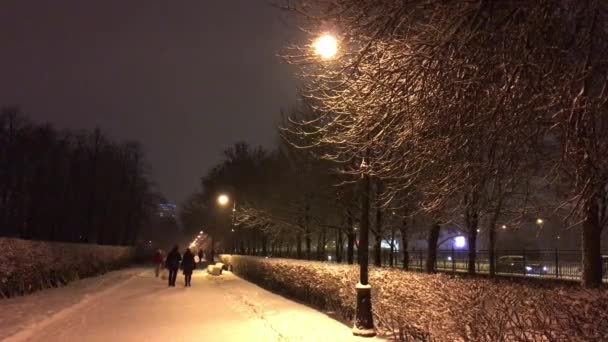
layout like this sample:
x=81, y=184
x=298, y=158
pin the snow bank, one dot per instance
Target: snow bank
x=27, y=266
x=415, y=306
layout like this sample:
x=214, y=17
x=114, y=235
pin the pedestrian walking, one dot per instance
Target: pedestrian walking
x=201, y=255
x=158, y=262
x=172, y=264
x=188, y=265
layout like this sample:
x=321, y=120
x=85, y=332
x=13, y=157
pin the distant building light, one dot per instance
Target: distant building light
x=385, y=244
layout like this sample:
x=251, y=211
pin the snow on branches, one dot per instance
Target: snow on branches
x=453, y=100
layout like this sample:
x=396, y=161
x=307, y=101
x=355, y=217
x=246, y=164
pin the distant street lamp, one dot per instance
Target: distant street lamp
x=223, y=200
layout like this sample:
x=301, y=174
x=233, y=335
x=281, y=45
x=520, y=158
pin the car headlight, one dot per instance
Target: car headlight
x=528, y=268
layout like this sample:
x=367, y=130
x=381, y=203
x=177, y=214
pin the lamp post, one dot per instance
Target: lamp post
x=223, y=201
x=326, y=47
x=232, y=235
x=540, y=223
x=364, y=321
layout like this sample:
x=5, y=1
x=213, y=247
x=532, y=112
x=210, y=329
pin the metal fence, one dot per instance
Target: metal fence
x=556, y=264
x=549, y=264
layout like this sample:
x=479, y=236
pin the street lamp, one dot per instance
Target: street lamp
x=325, y=46
x=223, y=200
x=539, y=221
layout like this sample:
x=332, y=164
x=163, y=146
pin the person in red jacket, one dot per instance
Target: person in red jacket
x=158, y=262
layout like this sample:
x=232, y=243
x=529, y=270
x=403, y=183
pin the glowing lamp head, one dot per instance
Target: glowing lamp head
x=460, y=242
x=539, y=221
x=325, y=46
x=222, y=199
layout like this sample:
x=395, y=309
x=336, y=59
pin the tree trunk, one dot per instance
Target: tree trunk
x=472, y=225
x=308, y=246
x=299, y=246
x=339, y=246
x=93, y=187
x=391, y=258
x=307, y=231
x=264, y=245
x=431, y=257
x=378, y=241
x=404, y=245
x=591, y=240
x=492, y=248
x=320, y=246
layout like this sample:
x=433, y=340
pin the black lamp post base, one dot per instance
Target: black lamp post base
x=364, y=321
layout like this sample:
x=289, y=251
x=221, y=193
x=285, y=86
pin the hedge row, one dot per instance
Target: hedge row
x=27, y=266
x=421, y=307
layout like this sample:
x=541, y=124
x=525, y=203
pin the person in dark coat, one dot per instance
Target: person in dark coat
x=188, y=265
x=172, y=264
x=158, y=262
x=201, y=255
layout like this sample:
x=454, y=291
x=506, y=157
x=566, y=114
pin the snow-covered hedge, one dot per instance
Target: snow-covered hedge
x=27, y=266
x=421, y=307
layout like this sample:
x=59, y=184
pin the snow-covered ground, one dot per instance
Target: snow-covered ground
x=132, y=305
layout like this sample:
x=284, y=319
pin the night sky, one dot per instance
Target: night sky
x=185, y=78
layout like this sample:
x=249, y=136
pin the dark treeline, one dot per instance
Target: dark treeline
x=63, y=185
x=285, y=200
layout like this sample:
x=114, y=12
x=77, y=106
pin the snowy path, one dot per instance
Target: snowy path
x=132, y=305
